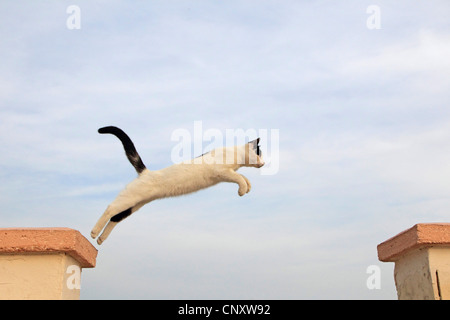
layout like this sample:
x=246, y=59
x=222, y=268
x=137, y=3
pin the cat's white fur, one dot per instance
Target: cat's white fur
x=219, y=165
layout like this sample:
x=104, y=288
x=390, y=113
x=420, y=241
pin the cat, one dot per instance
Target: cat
x=216, y=166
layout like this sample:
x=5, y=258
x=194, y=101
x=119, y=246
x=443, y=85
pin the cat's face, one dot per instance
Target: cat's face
x=253, y=154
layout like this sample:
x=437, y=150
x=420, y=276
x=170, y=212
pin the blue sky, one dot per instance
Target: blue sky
x=363, y=118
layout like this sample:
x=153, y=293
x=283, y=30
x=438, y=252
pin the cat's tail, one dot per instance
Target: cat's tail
x=128, y=145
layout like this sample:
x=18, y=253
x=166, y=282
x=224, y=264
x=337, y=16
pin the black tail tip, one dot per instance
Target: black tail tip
x=108, y=129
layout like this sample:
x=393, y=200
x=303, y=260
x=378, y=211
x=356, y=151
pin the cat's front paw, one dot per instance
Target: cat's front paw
x=249, y=185
x=242, y=191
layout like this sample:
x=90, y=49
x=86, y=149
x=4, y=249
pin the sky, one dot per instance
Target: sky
x=359, y=101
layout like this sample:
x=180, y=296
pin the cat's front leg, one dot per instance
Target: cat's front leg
x=233, y=176
x=249, y=185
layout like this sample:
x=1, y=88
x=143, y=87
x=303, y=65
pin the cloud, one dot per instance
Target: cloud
x=427, y=52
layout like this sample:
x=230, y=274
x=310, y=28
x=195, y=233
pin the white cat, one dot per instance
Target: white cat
x=216, y=166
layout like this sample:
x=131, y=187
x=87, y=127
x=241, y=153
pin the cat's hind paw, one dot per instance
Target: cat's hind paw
x=94, y=234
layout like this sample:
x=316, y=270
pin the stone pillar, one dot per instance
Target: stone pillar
x=43, y=263
x=422, y=261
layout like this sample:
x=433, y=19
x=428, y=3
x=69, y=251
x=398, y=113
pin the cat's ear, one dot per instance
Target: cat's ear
x=254, y=145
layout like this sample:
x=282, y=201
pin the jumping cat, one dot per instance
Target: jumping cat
x=216, y=166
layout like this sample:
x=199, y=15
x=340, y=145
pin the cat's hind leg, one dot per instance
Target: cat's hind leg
x=115, y=220
x=112, y=210
x=109, y=227
x=112, y=223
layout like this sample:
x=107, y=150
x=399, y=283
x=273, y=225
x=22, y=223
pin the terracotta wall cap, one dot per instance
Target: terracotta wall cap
x=420, y=235
x=48, y=240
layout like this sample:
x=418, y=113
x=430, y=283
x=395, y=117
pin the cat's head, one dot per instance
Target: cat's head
x=253, y=154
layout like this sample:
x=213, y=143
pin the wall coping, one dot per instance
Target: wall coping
x=420, y=235
x=48, y=240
